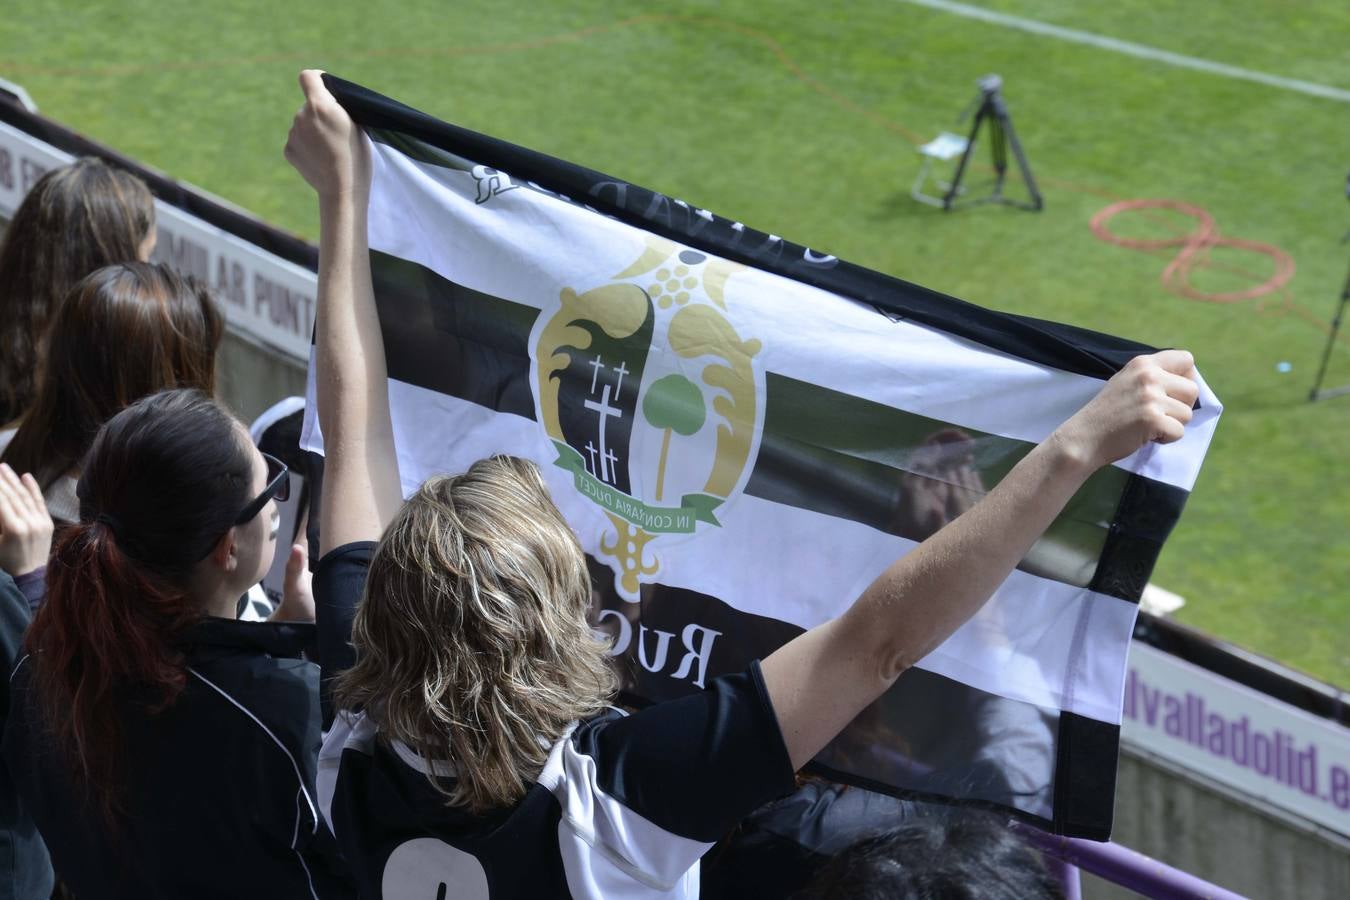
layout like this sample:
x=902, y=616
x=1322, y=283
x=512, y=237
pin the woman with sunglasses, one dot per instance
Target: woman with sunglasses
x=164, y=748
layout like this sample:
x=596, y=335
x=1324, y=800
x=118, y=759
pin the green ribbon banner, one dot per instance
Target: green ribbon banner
x=655, y=519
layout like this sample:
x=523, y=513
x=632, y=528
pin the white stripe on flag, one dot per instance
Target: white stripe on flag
x=526, y=246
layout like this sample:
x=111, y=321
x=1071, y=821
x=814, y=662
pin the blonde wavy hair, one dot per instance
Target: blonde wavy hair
x=472, y=640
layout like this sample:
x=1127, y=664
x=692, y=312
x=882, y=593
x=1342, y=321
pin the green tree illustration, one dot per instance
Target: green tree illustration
x=673, y=403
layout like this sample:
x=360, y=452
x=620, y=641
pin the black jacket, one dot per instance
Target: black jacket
x=219, y=787
x=25, y=870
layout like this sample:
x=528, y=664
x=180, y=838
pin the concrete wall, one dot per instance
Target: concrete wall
x=251, y=378
x=1192, y=826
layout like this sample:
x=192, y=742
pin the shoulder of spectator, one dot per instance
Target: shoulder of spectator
x=278, y=700
x=270, y=688
x=15, y=615
x=339, y=583
x=62, y=502
x=33, y=586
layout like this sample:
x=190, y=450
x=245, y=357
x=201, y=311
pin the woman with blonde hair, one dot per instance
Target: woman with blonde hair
x=474, y=754
x=74, y=220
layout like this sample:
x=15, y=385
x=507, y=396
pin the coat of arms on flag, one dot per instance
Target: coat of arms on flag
x=743, y=433
x=652, y=398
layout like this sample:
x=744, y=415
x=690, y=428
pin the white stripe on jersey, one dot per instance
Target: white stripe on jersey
x=303, y=793
x=350, y=730
x=608, y=850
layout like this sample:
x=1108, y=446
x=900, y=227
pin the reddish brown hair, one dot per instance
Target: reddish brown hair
x=74, y=220
x=124, y=332
x=164, y=480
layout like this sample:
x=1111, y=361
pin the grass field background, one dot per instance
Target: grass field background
x=798, y=118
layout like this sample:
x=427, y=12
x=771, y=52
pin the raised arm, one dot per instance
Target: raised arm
x=822, y=679
x=361, y=490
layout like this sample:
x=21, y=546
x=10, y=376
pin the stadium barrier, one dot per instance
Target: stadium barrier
x=1205, y=721
x=1247, y=724
x=1119, y=865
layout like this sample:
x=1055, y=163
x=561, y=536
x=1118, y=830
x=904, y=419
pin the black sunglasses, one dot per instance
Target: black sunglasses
x=278, y=486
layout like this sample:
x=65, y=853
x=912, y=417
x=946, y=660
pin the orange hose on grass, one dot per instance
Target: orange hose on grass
x=1194, y=248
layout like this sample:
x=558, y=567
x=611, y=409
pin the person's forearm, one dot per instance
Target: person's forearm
x=361, y=491
x=926, y=595
x=351, y=381
x=351, y=365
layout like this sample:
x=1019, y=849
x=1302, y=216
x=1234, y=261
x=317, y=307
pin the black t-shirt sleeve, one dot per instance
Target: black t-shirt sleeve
x=339, y=582
x=697, y=765
x=15, y=617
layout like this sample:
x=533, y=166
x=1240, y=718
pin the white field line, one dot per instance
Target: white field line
x=1131, y=49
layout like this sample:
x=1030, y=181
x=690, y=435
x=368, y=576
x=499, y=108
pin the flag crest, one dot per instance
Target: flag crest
x=653, y=399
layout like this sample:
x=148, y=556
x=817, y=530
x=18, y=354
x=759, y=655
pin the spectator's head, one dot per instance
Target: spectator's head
x=74, y=220
x=171, y=529
x=125, y=331
x=472, y=640
x=955, y=855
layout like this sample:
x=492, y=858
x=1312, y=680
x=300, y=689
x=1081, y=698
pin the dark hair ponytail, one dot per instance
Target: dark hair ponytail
x=161, y=485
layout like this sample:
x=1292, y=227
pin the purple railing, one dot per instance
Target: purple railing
x=1119, y=865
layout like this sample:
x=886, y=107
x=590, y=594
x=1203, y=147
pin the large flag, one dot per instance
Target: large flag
x=744, y=433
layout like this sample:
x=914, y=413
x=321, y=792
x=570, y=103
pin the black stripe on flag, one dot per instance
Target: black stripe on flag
x=1085, y=799
x=451, y=339
x=821, y=450
x=958, y=740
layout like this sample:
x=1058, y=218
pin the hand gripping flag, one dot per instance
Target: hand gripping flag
x=744, y=433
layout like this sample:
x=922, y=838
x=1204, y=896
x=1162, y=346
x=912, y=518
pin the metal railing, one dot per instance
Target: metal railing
x=1118, y=865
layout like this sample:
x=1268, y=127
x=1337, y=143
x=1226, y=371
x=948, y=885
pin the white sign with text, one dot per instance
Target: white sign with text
x=1238, y=737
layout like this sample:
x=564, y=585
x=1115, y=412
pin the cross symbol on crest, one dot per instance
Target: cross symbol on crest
x=607, y=412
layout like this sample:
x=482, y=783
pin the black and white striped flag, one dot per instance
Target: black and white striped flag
x=744, y=433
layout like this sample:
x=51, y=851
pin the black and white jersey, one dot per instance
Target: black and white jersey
x=624, y=807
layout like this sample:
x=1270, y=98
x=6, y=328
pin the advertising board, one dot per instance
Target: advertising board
x=1238, y=737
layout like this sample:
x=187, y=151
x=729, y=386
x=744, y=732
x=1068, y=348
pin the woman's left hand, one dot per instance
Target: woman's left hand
x=297, y=596
x=325, y=146
x=25, y=526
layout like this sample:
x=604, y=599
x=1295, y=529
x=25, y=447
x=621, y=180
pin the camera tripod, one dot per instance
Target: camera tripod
x=990, y=106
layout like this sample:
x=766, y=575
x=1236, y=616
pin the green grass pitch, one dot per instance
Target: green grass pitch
x=800, y=118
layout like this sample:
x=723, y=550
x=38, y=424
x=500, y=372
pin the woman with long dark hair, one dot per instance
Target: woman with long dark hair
x=74, y=220
x=123, y=332
x=165, y=749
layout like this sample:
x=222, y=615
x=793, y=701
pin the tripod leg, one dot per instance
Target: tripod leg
x=998, y=146
x=1331, y=341
x=1036, y=201
x=961, y=164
